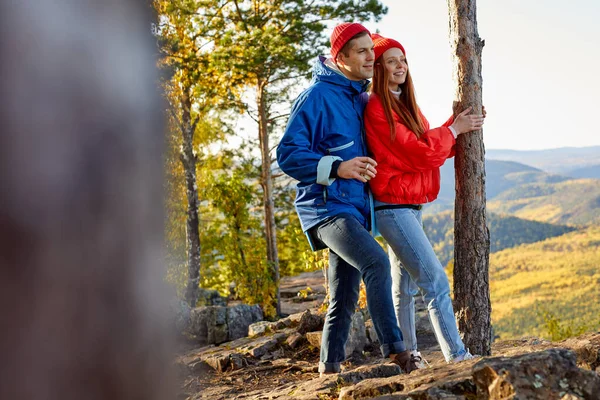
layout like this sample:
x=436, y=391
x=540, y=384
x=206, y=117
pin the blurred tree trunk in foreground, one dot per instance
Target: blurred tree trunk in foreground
x=81, y=235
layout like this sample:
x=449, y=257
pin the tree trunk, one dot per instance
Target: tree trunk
x=188, y=160
x=82, y=293
x=267, y=185
x=471, y=236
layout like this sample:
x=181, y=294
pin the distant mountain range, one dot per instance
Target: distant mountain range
x=528, y=192
x=561, y=161
x=544, y=222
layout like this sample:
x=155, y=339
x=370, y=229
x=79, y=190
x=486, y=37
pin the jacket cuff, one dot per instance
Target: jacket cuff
x=324, y=169
x=453, y=131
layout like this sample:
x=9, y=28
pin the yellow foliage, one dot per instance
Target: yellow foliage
x=554, y=280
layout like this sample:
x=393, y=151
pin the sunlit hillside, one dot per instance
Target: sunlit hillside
x=574, y=202
x=505, y=232
x=500, y=176
x=560, y=275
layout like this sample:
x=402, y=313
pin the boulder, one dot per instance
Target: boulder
x=209, y=324
x=240, y=317
x=549, y=374
x=587, y=348
x=218, y=324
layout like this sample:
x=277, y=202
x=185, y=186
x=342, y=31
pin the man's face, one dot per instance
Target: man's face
x=358, y=65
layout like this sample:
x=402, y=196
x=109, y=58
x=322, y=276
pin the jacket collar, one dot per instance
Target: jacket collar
x=326, y=70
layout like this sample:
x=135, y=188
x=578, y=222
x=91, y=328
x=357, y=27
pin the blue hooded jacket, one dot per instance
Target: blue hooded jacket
x=325, y=125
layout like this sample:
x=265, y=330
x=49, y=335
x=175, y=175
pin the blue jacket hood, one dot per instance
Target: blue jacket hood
x=322, y=72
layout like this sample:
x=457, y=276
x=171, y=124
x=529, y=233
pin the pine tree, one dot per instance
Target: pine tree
x=471, y=236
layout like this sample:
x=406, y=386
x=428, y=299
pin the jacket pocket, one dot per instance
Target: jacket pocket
x=340, y=148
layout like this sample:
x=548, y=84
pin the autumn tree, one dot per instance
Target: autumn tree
x=471, y=235
x=194, y=90
x=270, y=44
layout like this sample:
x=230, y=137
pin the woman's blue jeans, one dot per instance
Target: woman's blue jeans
x=415, y=265
x=355, y=254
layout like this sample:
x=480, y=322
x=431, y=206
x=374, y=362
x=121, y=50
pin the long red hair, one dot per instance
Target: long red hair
x=405, y=107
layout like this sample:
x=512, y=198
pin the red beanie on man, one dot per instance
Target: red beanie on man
x=382, y=44
x=342, y=34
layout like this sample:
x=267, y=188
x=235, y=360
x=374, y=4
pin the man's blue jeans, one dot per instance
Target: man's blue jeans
x=414, y=264
x=355, y=254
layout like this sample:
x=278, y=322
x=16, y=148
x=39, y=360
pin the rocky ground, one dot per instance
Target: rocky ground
x=278, y=361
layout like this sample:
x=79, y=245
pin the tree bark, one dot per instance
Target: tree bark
x=189, y=161
x=471, y=235
x=267, y=186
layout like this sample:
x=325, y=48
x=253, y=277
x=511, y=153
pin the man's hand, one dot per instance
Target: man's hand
x=361, y=168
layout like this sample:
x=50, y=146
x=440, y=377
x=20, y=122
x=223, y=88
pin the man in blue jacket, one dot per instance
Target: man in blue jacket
x=324, y=148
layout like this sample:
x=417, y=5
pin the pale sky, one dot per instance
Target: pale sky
x=541, y=67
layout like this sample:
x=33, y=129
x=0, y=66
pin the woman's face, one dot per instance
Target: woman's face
x=395, y=64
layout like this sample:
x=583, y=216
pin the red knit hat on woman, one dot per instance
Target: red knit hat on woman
x=382, y=44
x=342, y=33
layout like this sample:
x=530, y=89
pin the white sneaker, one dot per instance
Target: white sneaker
x=465, y=357
x=419, y=360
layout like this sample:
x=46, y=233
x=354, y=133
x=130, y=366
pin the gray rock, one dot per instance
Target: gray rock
x=218, y=362
x=357, y=337
x=240, y=317
x=371, y=333
x=209, y=324
x=180, y=314
x=365, y=377
x=423, y=323
x=587, y=348
x=260, y=327
x=218, y=324
x=310, y=322
x=295, y=340
x=237, y=361
x=283, y=323
x=261, y=346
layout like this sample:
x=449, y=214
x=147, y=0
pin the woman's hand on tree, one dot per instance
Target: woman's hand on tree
x=465, y=122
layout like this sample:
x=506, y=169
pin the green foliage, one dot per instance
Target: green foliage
x=213, y=51
x=292, y=245
x=233, y=245
x=274, y=40
x=557, y=330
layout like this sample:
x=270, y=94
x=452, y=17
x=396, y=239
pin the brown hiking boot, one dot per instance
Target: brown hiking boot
x=406, y=360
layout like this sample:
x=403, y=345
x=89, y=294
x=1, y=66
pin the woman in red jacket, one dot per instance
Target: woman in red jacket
x=409, y=155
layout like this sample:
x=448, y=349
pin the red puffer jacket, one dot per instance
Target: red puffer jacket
x=408, y=169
